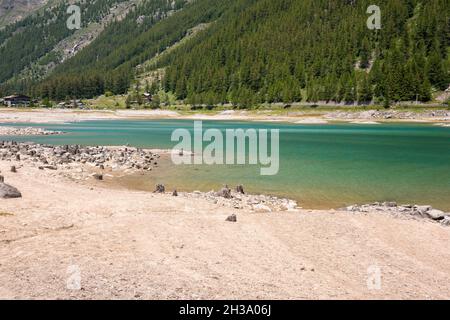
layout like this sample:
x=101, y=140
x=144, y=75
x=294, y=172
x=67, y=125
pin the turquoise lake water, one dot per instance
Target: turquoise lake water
x=321, y=166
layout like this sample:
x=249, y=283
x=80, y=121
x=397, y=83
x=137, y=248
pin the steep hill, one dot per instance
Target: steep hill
x=315, y=50
x=33, y=46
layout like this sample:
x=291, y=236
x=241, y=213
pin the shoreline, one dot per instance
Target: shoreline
x=142, y=245
x=106, y=164
x=368, y=117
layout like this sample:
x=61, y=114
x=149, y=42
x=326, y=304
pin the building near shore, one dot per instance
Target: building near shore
x=16, y=100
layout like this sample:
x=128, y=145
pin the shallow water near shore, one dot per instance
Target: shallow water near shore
x=321, y=166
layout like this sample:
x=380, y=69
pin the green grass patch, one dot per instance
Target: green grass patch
x=107, y=102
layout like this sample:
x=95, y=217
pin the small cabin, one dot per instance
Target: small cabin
x=16, y=100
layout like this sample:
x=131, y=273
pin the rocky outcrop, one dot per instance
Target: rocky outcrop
x=232, y=218
x=414, y=211
x=8, y=192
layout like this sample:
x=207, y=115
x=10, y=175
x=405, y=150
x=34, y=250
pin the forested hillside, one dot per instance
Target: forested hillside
x=315, y=50
x=108, y=64
x=15, y=10
x=253, y=51
x=33, y=39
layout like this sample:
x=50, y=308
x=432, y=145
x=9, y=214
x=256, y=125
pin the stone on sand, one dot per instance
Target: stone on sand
x=9, y=192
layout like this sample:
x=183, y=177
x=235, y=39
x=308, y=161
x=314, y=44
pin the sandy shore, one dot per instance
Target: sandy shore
x=139, y=245
x=369, y=117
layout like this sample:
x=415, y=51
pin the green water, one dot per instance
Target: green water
x=321, y=166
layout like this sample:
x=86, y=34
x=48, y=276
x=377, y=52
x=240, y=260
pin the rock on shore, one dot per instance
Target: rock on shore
x=414, y=211
x=28, y=131
x=51, y=157
x=440, y=115
x=237, y=200
x=8, y=192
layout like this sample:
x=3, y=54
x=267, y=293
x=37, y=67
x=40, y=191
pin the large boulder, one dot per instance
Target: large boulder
x=9, y=192
x=436, y=214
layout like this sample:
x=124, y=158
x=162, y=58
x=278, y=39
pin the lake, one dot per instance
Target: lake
x=321, y=166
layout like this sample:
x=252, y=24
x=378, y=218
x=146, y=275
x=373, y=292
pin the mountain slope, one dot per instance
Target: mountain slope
x=315, y=50
x=108, y=64
x=251, y=52
x=32, y=47
x=15, y=10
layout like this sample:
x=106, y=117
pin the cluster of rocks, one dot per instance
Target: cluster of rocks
x=415, y=211
x=28, y=131
x=238, y=199
x=390, y=114
x=50, y=157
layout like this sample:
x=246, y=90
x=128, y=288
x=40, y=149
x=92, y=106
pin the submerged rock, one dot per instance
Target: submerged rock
x=8, y=192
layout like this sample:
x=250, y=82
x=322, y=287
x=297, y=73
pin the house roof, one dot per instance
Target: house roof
x=15, y=96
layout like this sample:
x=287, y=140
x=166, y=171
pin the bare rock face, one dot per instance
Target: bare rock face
x=9, y=192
